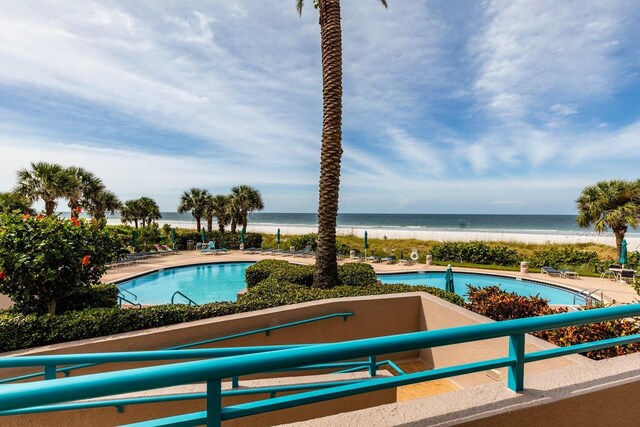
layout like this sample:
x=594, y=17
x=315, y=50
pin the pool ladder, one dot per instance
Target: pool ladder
x=184, y=296
x=121, y=298
x=587, y=295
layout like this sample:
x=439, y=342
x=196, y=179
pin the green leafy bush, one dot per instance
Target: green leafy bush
x=19, y=331
x=356, y=274
x=261, y=270
x=562, y=257
x=227, y=239
x=300, y=242
x=498, y=304
x=97, y=296
x=44, y=260
x=476, y=253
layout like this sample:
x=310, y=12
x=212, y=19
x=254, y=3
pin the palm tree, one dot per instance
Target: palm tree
x=194, y=200
x=245, y=199
x=88, y=186
x=12, y=202
x=326, y=272
x=610, y=205
x=46, y=181
x=102, y=202
x=217, y=208
x=130, y=212
x=149, y=210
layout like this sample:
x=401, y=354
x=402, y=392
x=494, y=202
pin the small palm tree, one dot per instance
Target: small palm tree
x=46, y=181
x=88, y=186
x=194, y=200
x=14, y=202
x=102, y=202
x=610, y=205
x=130, y=212
x=217, y=208
x=326, y=272
x=246, y=199
x=149, y=210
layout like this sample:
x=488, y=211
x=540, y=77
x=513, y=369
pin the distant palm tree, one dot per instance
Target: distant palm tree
x=149, y=210
x=46, y=181
x=102, y=202
x=14, y=202
x=88, y=186
x=194, y=200
x=245, y=199
x=130, y=212
x=326, y=272
x=610, y=205
x=217, y=208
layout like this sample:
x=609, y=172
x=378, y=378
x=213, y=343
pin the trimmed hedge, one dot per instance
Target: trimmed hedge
x=476, y=253
x=18, y=331
x=96, y=296
x=354, y=274
x=227, y=239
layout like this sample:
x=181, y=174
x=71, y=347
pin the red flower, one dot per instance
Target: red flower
x=40, y=216
x=2, y=275
x=26, y=216
x=75, y=221
x=85, y=260
x=78, y=210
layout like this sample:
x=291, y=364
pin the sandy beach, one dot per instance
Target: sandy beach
x=437, y=235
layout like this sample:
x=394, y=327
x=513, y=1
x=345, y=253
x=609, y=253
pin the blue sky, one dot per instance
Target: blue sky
x=449, y=107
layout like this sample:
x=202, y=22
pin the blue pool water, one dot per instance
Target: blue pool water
x=222, y=282
x=202, y=283
x=461, y=280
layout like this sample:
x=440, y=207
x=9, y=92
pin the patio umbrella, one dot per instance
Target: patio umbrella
x=204, y=235
x=134, y=239
x=623, y=253
x=278, y=238
x=366, y=243
x=242, y=236
x=448, y=280
x=173, y=237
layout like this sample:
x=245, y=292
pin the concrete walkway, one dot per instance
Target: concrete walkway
x=612, y=291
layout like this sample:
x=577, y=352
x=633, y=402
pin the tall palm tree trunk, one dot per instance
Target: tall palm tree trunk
x=326, y=273
x=49, y=207
x=209, y=224
x=198, y=223
x=619, y=232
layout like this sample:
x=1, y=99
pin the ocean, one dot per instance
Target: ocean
x=535, y=224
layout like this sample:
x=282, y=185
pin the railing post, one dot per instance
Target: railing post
x=214, y=403
x=515, y=379
x=373, y=366
x=235, y=382
x=49, y=372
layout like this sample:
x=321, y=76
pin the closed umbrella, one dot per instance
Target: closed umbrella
x=366, y=243
x=278, y=239
x=204, y=235
x=623, y=253
x=448, y=280
x=173, y=237
x=134, y=239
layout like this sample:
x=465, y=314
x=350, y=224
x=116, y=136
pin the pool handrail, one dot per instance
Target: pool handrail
x=16, y=396
x=84, y=364
x=184, y=296
x=135, y=297
x=121, y=298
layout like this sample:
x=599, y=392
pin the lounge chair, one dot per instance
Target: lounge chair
x=252, y=250
x=374, y=259
x=568, y=274
x=304, y=252
x=170, y=250
x=627, y=276
x=211, y=246
x=551, y=271
x=388, y=259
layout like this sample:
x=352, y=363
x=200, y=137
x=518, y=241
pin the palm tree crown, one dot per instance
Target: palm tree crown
x=218, y=207
x=194, y=200
x=46, y=181
x=246, y=199
x=102, y=202
x=610, y=205
x=88, y=186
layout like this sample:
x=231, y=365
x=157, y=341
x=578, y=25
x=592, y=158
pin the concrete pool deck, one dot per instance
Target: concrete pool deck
x=612, y=291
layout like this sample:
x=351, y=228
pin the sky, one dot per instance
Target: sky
x=449, y=107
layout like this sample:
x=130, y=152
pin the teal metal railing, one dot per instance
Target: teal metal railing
x=122, y=298
x=184, y=296
x=18, y=396
x=50, y=369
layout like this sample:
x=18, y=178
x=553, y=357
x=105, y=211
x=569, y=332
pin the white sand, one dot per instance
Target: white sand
x=440, y=235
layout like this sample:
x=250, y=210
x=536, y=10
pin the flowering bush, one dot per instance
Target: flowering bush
x=46, y=259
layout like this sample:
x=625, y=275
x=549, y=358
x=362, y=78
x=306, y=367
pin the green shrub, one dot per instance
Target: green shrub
x=562, y=257
x=96, y=296
x=261, y=270
x=498, y=304
x=227, y=239
x=19, y=331
x=476, y=253
x=356, y=274
x=300, y=242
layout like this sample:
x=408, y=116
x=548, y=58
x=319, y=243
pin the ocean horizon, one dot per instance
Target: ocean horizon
x=495, y=223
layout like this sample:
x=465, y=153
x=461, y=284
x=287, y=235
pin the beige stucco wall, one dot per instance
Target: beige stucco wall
x=5, y=302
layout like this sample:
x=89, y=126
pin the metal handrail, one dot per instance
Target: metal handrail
x=121, y=298
x=587, y=293
x=135, y=297
x=85, y=362
x=183, y=295
x=23, y=395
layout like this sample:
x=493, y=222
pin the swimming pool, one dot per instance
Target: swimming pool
x=555, y=294
x=222, y=281
x=202, y=283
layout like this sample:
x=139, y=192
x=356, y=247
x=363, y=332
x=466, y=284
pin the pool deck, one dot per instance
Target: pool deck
x=612, y=291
